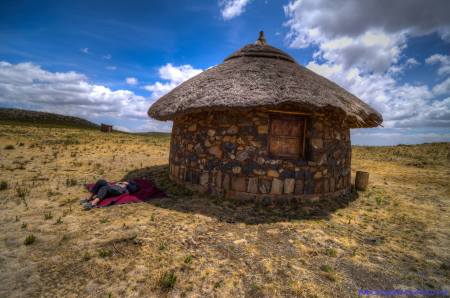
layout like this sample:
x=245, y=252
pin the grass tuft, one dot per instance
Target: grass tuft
x=331, y=252
x=326, y=268
x=188, y=259
x=30, y=239
x=162, y=246
x=86, y=256
x=3, y=185
x=48, y=215
x=168, y=280
x=71, y=182
x=104, y=253
x=22, y=191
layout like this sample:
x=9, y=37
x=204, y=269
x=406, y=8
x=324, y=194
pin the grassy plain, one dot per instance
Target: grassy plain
x=395, y=235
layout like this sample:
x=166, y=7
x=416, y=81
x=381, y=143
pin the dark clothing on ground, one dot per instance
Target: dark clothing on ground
x=102, y=189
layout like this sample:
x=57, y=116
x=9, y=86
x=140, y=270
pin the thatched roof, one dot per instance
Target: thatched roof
x=261, y=76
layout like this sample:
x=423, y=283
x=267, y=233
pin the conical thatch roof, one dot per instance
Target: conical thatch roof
x=259, y=75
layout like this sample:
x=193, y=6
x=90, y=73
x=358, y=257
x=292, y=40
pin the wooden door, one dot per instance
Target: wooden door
x=286, y=136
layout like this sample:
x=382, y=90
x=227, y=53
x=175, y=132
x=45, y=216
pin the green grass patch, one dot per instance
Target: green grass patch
x=104, y=253
x=168, y=280
x=30, y=239
x=3, y=185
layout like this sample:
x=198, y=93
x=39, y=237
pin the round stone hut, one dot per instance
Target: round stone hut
x=261, y=126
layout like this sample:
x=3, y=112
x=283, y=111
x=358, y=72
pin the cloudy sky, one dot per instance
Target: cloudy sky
x=108, y=61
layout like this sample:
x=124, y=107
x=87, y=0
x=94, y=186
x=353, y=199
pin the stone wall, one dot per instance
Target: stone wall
x=227, y=154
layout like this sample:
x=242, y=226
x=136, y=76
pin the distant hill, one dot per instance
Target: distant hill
x=18, y=116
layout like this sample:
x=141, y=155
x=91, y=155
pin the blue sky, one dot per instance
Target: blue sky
x=107, y=61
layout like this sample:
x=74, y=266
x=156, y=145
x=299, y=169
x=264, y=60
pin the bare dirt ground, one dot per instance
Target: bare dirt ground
x=395, y=235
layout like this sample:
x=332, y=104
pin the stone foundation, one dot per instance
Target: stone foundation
x=227, y=154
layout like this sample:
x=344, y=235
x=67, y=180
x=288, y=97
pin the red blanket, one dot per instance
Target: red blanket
x=147, y=190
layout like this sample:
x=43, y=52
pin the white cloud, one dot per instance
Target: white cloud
x=360, y=46
x=28, y=85
x=107, y=56
x=85, y=50
x=442, y=60
x=310, y=19
x=372, y=51
x=111, y=67
x=401, y=67
x=178, y=74
x=131, y=81
x=402, y=105
x=159, y=89
x=367, y=34
x=173, y=75
x=442, y=88
x=232, y=8
x=410, y=62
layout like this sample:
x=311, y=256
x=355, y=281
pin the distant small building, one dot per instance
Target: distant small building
x=260, y=125
x=106, y=127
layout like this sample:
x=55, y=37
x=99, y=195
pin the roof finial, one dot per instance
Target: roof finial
x=261, y=39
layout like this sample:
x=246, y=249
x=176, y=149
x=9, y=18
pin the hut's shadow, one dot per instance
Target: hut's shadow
x=231, y=211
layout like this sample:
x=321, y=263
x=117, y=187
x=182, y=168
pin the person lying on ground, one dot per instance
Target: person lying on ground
x=102, y=190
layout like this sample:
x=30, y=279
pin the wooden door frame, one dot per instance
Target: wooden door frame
x=288, y=116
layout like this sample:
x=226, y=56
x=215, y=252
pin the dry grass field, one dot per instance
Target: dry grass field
x=395, y=235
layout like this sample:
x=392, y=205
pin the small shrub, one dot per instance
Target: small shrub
x=22, y=192
x=71, y=182
x=24, y=225
x=331, y=252
x=168, y=280
x=9, y=147
x=162, y=246
x=59, y=221
x=379, y=200
x=328, y=272
x=326, y=268
x=3, y=185
x=52, y=193
x=188, y=259
x=29, y=240
x=104, y=253
x=86, y=256
x=48, y=215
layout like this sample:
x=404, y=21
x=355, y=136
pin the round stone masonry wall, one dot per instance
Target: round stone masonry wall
x=226, y=153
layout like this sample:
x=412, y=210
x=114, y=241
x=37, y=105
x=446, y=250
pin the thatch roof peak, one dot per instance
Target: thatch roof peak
x=259, y=75
x=261, y=39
